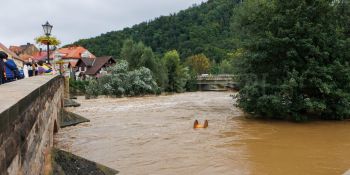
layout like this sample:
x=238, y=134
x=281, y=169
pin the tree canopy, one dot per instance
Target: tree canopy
x=138, y=55
x=200, y=64
x=177, y=74
x=296, y=59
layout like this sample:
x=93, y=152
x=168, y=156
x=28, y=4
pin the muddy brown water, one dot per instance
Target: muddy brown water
x=154, y=135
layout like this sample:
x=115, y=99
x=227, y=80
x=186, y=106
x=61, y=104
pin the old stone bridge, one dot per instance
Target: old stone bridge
x=219, y=82
x=29, y=116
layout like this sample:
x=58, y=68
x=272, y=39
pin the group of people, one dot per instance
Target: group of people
x=34, y=69
x=8, y=69
x=10, y=72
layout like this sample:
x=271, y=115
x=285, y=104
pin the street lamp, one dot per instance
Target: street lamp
x=47, y=30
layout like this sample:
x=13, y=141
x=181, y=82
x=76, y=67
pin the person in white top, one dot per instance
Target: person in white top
x=25, y=71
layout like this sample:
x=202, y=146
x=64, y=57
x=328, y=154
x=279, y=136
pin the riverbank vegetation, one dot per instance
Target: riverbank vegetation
x=78, y=87
x=296, y=59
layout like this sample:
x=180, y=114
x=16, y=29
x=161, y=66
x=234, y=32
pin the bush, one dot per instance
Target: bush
x=121, y=82
x=93, y=89
x=77, y=86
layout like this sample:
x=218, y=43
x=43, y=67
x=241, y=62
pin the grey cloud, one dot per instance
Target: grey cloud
x=76, y=19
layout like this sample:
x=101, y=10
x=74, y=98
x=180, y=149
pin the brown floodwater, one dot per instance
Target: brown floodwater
x=154, y=135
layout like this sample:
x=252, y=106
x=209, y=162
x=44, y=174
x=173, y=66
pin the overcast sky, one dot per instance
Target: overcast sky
x=21, y=20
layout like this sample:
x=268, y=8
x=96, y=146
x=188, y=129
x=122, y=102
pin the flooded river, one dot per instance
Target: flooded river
x=154, y=135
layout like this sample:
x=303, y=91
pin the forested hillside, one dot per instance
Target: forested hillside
x=204, y=28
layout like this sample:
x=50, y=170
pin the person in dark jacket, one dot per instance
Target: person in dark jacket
x=12, y=72
x=3, y=56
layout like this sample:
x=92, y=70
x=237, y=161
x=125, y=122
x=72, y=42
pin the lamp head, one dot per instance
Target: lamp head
x=47, y=28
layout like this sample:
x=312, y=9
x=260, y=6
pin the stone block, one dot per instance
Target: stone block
x=10, y=150
x=70, y=103
x=13, y=113
x=71, y=119
x=2, y=161
x=24, y=104
x=4, y=121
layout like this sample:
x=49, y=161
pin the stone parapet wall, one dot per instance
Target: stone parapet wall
x=29, y=115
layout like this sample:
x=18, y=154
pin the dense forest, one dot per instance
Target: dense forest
x=204, y=28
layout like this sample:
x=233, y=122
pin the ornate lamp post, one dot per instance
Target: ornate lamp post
x=47, y=30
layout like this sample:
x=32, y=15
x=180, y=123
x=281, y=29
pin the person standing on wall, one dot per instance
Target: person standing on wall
x=3, y=56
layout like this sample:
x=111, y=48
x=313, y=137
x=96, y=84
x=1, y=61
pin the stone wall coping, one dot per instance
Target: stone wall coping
x=16, y=96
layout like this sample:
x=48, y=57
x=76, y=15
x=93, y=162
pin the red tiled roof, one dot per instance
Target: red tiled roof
x=40, y=56
x=25, y=57
x=73, y=52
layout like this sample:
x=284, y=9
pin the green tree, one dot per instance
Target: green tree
x=200, y=64
x=161, y=73
x=215, y=68
x=296, y=60
x=227, y=66
x=148, y=59
x=197, y=64
x=177, y=74
x=132, y=52
x=138, y=55
x=182, y=77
